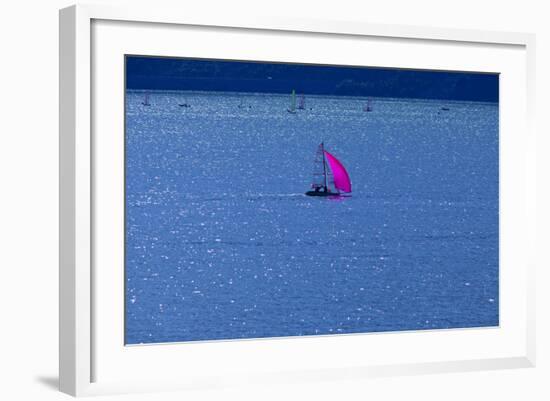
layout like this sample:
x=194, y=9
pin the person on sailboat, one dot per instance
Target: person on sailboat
x=320, y=188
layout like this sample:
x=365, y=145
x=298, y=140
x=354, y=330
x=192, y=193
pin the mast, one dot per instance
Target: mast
x=324, y=164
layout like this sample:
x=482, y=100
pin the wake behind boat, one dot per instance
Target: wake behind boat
x=330, y=177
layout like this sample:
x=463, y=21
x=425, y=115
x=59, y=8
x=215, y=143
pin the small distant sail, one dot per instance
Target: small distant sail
x=146, y=100
x=302, y=103
x=292, y=108
x=339, y=173
x=368, y=107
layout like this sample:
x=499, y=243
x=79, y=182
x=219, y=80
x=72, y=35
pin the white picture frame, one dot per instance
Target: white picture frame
x=82, y=344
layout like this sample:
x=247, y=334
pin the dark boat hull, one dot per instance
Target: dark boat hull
x=323, y=194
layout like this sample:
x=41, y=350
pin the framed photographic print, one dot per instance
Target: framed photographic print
x=273, y=200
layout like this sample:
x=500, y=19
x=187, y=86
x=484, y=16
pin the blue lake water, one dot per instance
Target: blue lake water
x=222, y=243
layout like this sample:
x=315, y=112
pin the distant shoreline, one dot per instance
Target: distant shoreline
x=172, y=73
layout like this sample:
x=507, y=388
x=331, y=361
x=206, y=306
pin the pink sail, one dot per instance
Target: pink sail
x=339, y=173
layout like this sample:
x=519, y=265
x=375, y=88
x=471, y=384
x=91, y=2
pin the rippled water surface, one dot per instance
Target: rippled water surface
x=221, y=243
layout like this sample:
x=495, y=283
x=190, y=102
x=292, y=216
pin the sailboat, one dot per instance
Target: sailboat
x=368, y=107
x=185, y=104
x=292, y=108
x=330, y=177
x=302, y=103
x=243, y=106
x=146, y=100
